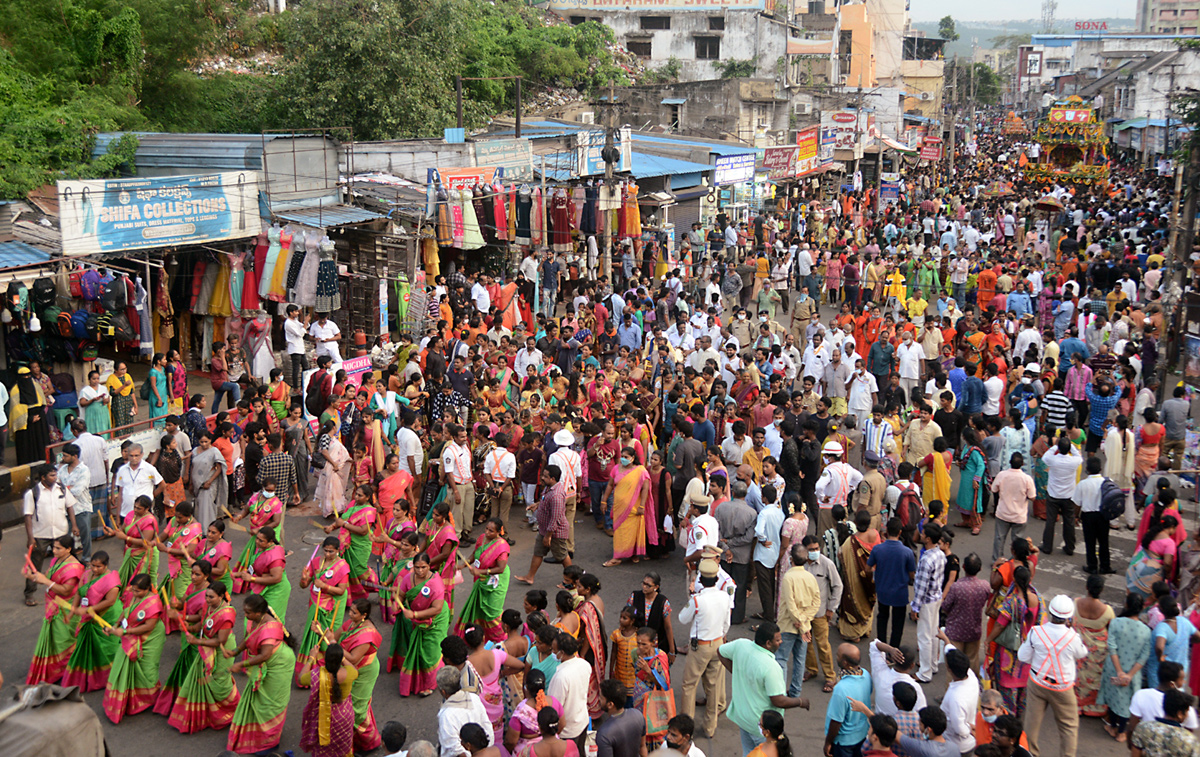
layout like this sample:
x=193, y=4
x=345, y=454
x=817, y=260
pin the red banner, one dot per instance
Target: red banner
x=780, y=162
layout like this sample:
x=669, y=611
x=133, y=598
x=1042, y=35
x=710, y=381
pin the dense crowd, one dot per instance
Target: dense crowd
x=801, y=408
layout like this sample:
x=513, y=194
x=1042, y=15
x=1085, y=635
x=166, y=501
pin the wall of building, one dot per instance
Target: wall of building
x=924, y=76
x=409, y=159
x=739, y=35
x=890, y=21
x=860, y=71
x=752, y=110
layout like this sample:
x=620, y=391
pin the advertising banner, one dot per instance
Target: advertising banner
x=808, y=153
x=734, y=169
x=515, y=156
x=461, y=178
x=931, y=148
x=110, y=215
x=847, y=126
x=780, y=162
x=828, y=138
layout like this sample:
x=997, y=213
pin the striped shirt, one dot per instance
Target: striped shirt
x=1057, y=406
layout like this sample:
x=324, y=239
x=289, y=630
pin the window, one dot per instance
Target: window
x=577, y=20
x=708, y=48
x=651, y=23
x=716, y=23
x=673, y=116
x=640, y=48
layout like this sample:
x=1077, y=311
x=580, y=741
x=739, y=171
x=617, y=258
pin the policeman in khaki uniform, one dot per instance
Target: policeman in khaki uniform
x=872, y=490
x=707, y=613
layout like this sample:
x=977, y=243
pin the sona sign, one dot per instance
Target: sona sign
x=1091, y=26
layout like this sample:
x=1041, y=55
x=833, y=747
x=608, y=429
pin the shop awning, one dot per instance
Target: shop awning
x=674, y=101
x=329, y=215
x=13, y=254
x=898, y=147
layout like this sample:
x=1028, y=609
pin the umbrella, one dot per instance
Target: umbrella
x=1048, y=204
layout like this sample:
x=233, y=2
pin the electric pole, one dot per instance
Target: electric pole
x=1182, y=237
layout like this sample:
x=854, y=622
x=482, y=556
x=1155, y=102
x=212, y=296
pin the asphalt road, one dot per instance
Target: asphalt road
x=148, y=733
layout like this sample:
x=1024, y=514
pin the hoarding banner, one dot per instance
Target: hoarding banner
x=514, y=155
x=780, y=162
x=808, y=154
x=847, y=128
x=110, y=215
x=461, y=178
x=588, y=145
x=931, y=148
x=1070, y=115
x=734, y=169
x=828, y=138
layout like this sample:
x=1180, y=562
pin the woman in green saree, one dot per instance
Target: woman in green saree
x=488, y=564
x=267, y=576
x=56, y=639
x=207, y=697
x=270, y=658
x=98, y=599
x=181, y=613
x=133, y=681
x=327, y=578
x=426, y=617
x=354, y=540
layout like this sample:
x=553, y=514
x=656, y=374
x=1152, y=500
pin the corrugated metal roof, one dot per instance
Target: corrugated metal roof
x=204, y=152
x=715, y=148
x=329, y=215
x=19, y=253
x=646, y=166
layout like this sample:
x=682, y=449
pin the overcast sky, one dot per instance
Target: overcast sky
x=932, y=10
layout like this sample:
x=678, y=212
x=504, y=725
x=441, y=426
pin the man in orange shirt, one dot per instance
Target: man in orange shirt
x=986, y=283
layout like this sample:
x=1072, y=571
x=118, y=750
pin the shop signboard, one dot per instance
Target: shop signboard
x=112, y=215
x=931, y=148
x=828, y=139
x=889, y=187
x=734, y=169
x=589, y=144
x=383, y=306
x=356, y=368
x=808, y=152
x=515, y=156
x=461, y=178
x=780, y=162
x=848, y=127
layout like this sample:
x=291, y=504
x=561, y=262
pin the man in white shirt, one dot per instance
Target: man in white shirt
x=527, y=356
x=910, y=357
x=293, y=333
x=458, y=477
x=1051, y=650
x=706, y=615
x=1095, y=526
x=1062, y=464
x=480, y=295
x=889, y=666
x=961, y=700
x=135, y=479
x=412, y=454
x=698, y=359
x=500, y=470
x=529, y=265
x=735, y=446
x=93, y=452
x=458, y=708
x=49, y=511
x=326, y=334
x=993, y=388
x=816, y=357
x=569, y=685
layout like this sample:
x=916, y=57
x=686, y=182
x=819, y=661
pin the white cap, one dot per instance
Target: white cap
x=1062, y=607
x=564, y=438
x=1033, y=368
x=832, y=448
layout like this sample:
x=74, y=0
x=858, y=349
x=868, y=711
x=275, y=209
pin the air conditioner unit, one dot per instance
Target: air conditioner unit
x=926, y=96
x=587, y=117
x=802, y=109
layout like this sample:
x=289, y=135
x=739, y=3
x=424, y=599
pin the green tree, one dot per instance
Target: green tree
x=736, y=69
x=946, y=29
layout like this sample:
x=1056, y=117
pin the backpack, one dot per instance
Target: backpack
x=17, y=296
x=65, y=327
x=1112, y=500
x=112, y=296
x=122, y=331
x=44, y=294
x=79, y=324
x=312, y=398
x=104, y=324
x=75, y=284
x=56, y=349
x=89, y=285
x=910, y=507
x=88, y=351
x=145, y=392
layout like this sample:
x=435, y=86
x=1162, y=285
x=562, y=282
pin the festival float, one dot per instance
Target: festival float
x=1074, y=148
x=1013, y=125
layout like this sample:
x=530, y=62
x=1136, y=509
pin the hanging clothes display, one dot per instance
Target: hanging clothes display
x=500, y=212
x=268, y=268
x=237, y=278
x=279, y=274
x=511, y=202
x=632, y=213
x=538, y=218
x=201, y=304
x=433, y=261
x=251, y=265
x=162, y=302
x=560, y=221
x=220, y=297
x=303, y=245
x=456, y=218
x=443, y=228
x=305, y=294
x=524, y=205
x=142, y=304
x=472, y=236
x=587, y=218
x=577, y=199
x=329, y=298
x=257, y=338
x=483, y=214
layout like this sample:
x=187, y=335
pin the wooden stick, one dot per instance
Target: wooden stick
x=232, y=523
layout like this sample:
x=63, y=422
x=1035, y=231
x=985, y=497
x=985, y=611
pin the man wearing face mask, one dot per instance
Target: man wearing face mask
x=680, y=730
x=799, y=603
x=829, y=583
x=910, y=357
x=837, y=375
x=845, y=729
x=740, y=329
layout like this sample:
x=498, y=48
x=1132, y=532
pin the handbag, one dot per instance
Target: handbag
x=659, y=708
x=1010, y=637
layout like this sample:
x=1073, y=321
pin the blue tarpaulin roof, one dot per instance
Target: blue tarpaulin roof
x=561, y=167
x=13, y=254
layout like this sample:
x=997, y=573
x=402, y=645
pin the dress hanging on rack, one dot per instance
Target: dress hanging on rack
x=268, y=268
x=303, y=245
x=443, y=229
x=587, y=218
x=203, y=300
x=429, y=253
x=633, y=213
x=142, y=304
x=456, y=218
x=237, y=279
x=511, y=203
x=279, y=275
x=328, y=298
x=220, y=297
x=472, y=235
x=524, y=216
x=306, y=283
x=577, y=197
x=483, y=214
x=164, y=306
x=538, y=219
x=500, y=212
x=560, y=220
x=250, y=299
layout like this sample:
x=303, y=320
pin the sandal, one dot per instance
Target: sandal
x=828, y=687
x=975, y=531
x=29, y=602
x=611, y=563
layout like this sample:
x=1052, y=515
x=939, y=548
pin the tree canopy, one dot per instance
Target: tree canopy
x=946, y=29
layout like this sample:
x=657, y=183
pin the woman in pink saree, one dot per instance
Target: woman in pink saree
x=629, y=485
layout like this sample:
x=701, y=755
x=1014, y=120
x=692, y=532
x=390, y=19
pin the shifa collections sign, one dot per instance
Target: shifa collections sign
x=110, y=215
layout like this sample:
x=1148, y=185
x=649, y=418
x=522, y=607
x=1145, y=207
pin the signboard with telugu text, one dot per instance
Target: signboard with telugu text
x=780, y=162
x=848, y=127
x=931, y=148
x=808, y=152
x=589, y=144
x=828, y=139
x=111, y=215
x=515, y=156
